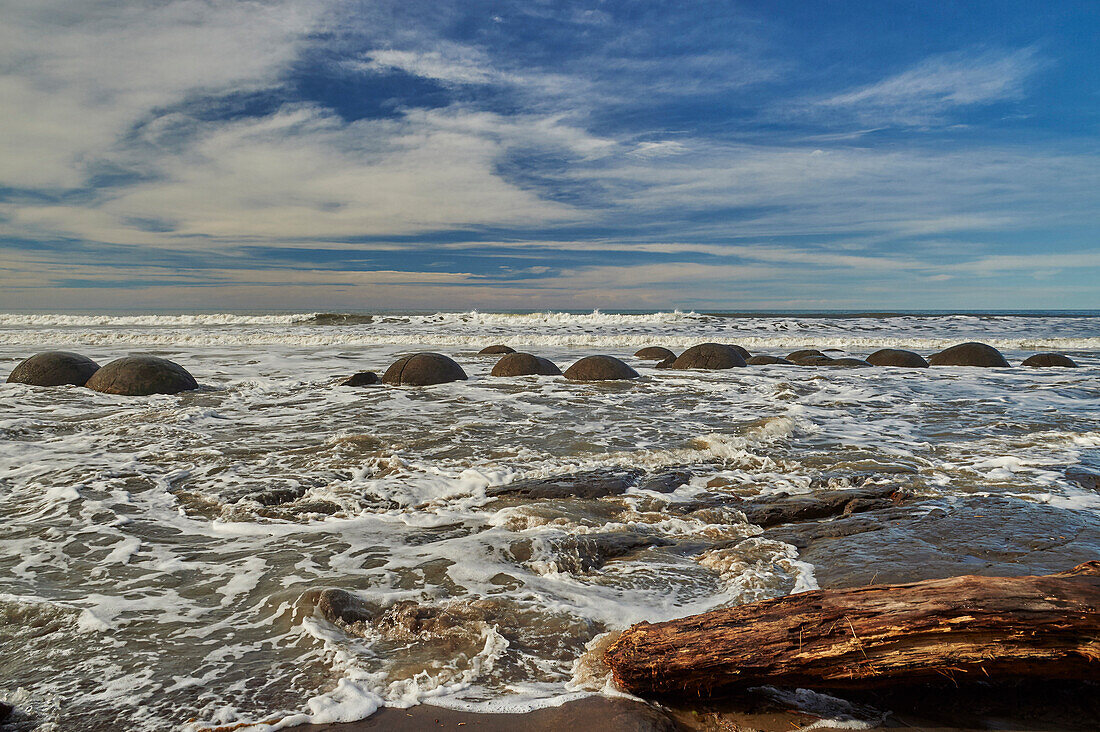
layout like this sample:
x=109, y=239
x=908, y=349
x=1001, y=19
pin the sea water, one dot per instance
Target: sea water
x=161, y=557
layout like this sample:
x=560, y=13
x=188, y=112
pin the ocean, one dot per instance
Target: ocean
x=164, y=560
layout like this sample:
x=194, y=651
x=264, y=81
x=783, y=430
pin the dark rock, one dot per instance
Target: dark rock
x=524, y=364
x=1083, y=477
x=142, y=376
x=743, y=351
x=584, y=553
x=7, y=709
x=709, y=356
x=654, y=353
x=363, y=378
x=495, y=350
x=54, y=368
x=1043, y=360
x=897, y=357
x=767, y=361
x=600, y=368
x=969, y=354
x=796, y=356
x=593, y=484
x=812, y=360
x=338, y=605
x=665, y=363
x=785, y=509
x=849, y=363
x=423, y=369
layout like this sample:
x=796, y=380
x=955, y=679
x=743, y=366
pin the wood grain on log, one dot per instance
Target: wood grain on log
x=990, y=627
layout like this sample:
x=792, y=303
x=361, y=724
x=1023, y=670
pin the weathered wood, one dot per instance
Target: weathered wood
x=990, y=627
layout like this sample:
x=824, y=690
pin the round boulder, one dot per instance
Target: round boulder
x=654, y=353
x=847, y=363
x=495, y=350
x=524, y=364
x=743, y=351
x=796, y=356
x=897, y=357
x=600, y=368
x=142, y=376
x=363, y=378
x=969, y=354
x=54, y=368
x=1042, y=360
x=709, y=356
x=665, y=363
x=811, y=360
x=423, y=369
x=766, y=361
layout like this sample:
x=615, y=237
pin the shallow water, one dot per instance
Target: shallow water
x=162, y=556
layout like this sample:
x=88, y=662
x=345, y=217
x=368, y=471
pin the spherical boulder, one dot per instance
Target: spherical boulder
x=54, y=368
x=1043, y=360
x=600, y=368
x=495, y=350
x=363, y=378
x=524, y=364
x=654, y=353
x=897, y=357
x=709, y=356
x=743, y=351
x=969, y=354
x=423, y=369
x=767, y=361
x=847, y=363
x=142, y=376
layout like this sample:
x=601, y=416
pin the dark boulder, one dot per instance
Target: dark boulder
x=524, y=364
x=766, y=361
x=5, y=709
x=709, y=356
x=812, y=360
x=743, y=351
x=142, y=376
x=1084, y=477
x=495, y=350
x=848, y=363
x=897, y=357
x=1043, y=360
x=796, y=356
x=654, y=353
x=592, y=484
x=423, y=369
x=969, y=354
x=600, y=368
x=665, y=363
x=363, y=378
x=54, y=368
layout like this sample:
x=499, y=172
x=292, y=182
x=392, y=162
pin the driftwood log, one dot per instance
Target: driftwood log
x=988, y=627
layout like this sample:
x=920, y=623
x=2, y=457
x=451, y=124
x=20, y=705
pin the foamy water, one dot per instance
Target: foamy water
x=162, y=555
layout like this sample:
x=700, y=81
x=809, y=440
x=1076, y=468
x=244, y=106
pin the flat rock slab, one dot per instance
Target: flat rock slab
x=591, y=485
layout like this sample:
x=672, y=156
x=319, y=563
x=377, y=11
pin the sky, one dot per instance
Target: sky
x=500, y=155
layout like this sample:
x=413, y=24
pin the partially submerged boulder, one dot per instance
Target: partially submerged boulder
x=969, y=354
x=54, y=368
x=796, y=356
x=423, y=369
x=525, y=364
x=743, y=351
x=709, y=356
x=767, y=361
x=654, y=353
x=142, y=376
x=600, y=368
x=1044, y=360
x=363, y=378
x=495, y=350
x=812, y=360
x=848, y=363
x=897, y=357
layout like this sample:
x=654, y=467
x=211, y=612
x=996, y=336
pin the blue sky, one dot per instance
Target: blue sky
x=327, y=154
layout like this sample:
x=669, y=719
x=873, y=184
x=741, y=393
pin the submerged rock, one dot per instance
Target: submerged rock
x=423, y=369
x=767, y=361
x=1044, y=360
x=363, y=378
x=709, y=356
x=796, y=356
x=897, y=357
x=969, y=354
x=54, y=368
x=524, y=364
x=592, y=484
x=1084, y=477
x=600, y=368
x=142, y=376
x=783, y=509
x=495, y=350
x=848, y=363
x=654, y=353
x=665, y=363
x=812, y=360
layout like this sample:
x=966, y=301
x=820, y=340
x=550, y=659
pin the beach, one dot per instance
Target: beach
x=272, y=549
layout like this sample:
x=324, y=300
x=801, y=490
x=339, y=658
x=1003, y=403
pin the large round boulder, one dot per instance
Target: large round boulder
x=654, y=353
x=1043, y=360
x=767, y=361
x=969, y=354
x=423, y=369
x=743, y=351
x=897, y=357
x=142, y=376
x=495, y=350
x=796, y=356
x=524, y=364
x=600, y=368
x=709, y=356
x=54, y=368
